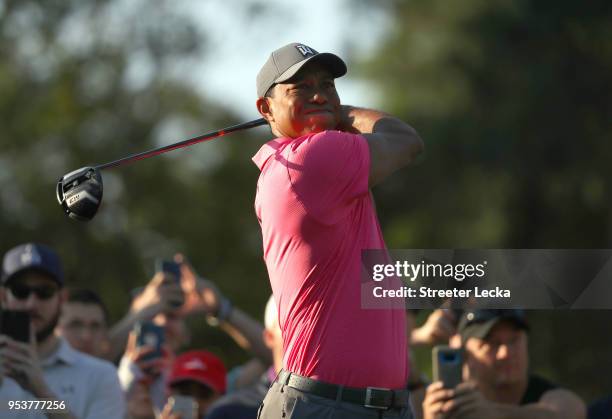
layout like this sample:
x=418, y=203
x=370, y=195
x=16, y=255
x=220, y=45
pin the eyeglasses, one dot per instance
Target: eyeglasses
x=22, y=291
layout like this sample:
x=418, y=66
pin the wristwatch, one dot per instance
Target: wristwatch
x=223, y=312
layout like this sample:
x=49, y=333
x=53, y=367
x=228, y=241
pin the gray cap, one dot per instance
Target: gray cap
x=286, y=61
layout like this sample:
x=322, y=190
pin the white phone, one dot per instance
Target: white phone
x=185, y=405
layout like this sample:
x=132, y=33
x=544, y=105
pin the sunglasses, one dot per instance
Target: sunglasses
x=22, y=291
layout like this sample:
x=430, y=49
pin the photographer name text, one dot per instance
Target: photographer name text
x=426, y=292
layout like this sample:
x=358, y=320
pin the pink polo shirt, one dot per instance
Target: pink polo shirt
x=316, y=216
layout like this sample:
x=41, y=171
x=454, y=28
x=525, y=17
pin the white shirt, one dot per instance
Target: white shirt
x=89, y=386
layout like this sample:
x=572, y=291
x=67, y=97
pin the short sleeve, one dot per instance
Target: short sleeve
x=329, y=172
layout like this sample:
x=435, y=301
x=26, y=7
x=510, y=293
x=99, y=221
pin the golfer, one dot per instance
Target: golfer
x=316, y=214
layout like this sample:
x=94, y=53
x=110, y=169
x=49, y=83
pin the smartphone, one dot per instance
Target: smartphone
x=174, y=270
x=447, y=365
x=16, y=325
x=185, y=405
x=150, y=334
x=169, y=267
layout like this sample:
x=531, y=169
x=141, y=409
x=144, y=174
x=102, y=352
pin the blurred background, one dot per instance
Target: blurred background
x=511, y=98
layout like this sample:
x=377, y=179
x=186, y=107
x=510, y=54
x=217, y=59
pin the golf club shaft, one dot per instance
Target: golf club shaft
x=181, y=144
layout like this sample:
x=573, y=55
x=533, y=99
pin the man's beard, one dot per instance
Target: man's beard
x=47, y=330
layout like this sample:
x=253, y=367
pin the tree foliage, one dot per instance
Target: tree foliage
x=88, y=82
x=512, y=99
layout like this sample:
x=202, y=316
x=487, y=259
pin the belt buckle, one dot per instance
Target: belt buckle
x=368, y=398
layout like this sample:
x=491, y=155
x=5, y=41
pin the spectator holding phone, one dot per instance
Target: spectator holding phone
x=144, y=363
x=197, y=378
x=47, y=367
x=10, y=391
x=159, y=301
x=438, y=328
x=497, y=382
x=198, y=297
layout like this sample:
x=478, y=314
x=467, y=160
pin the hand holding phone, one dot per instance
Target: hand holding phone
x=169, y=267
x=150, y=334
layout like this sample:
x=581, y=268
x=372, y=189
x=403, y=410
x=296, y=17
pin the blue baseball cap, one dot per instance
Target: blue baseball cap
x=35, y=257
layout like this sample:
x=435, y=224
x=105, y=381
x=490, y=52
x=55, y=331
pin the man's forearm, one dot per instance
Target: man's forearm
x=393, y=143
x=118, y=335
x=360, y=120
x=371, y=121
x=247, y=333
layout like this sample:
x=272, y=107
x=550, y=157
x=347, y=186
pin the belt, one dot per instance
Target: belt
x=370, y=397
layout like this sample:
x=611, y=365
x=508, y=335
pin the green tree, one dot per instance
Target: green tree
x=512, y=99
x=88, y=82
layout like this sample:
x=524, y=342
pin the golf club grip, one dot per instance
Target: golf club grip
x=185, y=143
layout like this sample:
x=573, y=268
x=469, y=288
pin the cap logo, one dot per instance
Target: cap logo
x=304, y=50
x=30, y=256
x=195, y=364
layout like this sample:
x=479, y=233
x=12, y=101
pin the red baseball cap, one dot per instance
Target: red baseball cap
x=201, y=366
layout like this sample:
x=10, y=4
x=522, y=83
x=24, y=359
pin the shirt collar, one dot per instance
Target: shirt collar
x=64, y=354
x=268, y=149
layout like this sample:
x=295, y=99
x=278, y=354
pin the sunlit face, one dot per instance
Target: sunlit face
x=84, y=326
x=43, y=301
x=499, y=359
x=308, y=103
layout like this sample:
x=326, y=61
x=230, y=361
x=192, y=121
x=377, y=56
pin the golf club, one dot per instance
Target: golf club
x=80, y=192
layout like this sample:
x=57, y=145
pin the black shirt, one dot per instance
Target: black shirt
x=601, y=409
x=536, y=387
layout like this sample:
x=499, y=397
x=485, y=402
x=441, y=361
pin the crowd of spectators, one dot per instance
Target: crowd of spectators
x=69, y=356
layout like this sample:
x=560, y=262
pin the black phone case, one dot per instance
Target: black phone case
x=16, y=325
x=148, y=333
x=168, y=266
x=447, y=365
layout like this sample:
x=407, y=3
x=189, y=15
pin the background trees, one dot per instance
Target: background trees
x=511, y=98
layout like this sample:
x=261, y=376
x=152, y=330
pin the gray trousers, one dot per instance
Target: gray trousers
x=284, y=402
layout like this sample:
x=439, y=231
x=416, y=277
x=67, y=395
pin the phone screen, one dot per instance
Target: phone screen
x=150, y=334
x=168, y=266
x=16, y=325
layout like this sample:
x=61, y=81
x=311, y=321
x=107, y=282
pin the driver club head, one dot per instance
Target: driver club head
x=80, y=193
